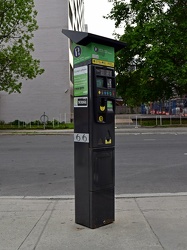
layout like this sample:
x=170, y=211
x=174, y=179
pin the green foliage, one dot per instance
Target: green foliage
x=2, y=122
x=17, y=24
x=153, y=65
x=35, y=123
x=17, y=124
x=165, y=122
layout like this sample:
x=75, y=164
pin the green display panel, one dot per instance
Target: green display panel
x=98, y=53
x=81, y=81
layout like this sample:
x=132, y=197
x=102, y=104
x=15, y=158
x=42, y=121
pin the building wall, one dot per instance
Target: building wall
x=52, y=91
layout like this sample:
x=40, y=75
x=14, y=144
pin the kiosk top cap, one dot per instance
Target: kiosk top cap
x=84, y=38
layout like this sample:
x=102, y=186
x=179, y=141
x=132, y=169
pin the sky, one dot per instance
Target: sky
x=93, y=12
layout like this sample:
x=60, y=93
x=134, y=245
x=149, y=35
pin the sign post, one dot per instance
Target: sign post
x=94, y=127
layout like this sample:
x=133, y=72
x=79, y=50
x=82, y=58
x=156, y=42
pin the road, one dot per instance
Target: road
x=155, y=163
x=42, y=165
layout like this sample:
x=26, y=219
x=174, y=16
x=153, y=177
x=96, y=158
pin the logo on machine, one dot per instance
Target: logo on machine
x=80, y=102
x=77, y=51
x=96, y=49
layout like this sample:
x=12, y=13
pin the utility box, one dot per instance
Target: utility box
x=94, y=127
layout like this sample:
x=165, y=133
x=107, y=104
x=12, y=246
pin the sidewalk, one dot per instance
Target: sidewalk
x=142, y=223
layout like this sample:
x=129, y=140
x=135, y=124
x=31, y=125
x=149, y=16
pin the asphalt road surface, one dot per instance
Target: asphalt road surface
x=42, y=165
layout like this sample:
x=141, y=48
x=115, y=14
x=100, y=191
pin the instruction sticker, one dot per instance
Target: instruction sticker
x=81, y=81
x=80, y=102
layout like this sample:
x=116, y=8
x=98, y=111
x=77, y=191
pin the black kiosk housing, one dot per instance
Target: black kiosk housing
x=94, y=127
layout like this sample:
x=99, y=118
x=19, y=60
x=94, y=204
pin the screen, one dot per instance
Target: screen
x=109, y=105
x=104, y=72
x=109, y=83
x=100, y=82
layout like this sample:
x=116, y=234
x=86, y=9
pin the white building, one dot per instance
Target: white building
x=52, y=91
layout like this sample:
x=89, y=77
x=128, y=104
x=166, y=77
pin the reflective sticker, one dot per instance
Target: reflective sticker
x=108, y=141
x=81, y=137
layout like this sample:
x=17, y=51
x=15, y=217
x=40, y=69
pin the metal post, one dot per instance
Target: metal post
x=136, y=122
x=160, y=120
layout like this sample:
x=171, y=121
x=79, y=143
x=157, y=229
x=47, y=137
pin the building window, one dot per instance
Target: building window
x=71, y=73
x=70, y=15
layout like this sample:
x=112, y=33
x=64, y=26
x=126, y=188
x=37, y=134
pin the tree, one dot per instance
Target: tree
x=17, y=25
x=156, y=37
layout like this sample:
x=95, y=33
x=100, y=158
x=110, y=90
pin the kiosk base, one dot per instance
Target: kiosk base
x=99, y=211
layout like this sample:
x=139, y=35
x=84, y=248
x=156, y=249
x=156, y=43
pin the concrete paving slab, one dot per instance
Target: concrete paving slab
x=33, y=238
x=17, y=219
x=167, y=217
x=130, y=231
x=148, y=223
x=21, y=205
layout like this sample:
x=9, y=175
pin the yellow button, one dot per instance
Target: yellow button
x=102, y=108
x=101, y=118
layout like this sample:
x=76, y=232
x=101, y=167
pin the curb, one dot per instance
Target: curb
x=72, y=197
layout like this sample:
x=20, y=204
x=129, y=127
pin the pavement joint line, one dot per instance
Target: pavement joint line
x=27, y=236
x=47, y=221
x=117, y=197
x=150, y=226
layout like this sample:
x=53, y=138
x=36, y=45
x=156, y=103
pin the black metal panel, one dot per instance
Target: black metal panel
x=84, y=38
x=82, y=173
x=81, y=120
x=102, y=135
x=102, y=206
x=102, y=174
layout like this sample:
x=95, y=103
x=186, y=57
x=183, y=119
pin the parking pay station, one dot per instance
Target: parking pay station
x=94, y=127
